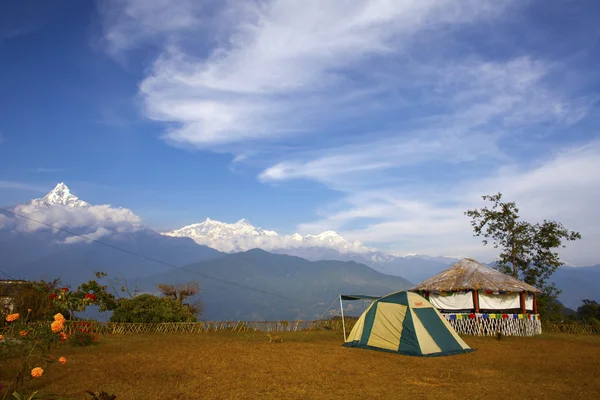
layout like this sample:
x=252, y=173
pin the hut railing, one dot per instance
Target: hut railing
x=494, y=324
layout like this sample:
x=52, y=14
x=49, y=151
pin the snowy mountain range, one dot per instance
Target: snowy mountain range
x=243, y=236
x=329, y=245
x=62, y=209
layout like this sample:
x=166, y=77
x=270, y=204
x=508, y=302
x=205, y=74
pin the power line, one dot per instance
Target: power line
x=7, y=275
x=159, y=261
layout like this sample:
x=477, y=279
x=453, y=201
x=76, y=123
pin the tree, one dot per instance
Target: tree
x=589, y=312
x=527, y=252
x=37, y=297
x=181, y=292
x=148, y=308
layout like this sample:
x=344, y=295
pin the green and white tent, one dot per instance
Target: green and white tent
x=405, y=323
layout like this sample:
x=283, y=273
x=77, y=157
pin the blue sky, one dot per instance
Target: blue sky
x=382, y=120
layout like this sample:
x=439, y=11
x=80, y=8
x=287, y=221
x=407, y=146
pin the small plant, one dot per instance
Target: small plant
x=100, y=395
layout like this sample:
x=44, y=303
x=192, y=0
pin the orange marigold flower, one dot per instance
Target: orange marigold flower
x=1, y=337
x=37, y=372
x=12, y=317
x=62, y=360
x=23, y=333
x=59, y=317
x=56, y=326
x=63, y=336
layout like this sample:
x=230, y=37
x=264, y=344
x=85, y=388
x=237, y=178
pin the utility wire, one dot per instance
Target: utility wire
x=160, y=261
x=7, y=275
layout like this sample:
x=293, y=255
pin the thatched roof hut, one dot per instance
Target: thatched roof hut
x=471, y=285
x=469, y=274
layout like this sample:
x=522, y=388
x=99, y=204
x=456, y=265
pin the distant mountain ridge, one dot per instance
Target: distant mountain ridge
x=303, y=289
x=577, y=284
x=76, y=263
x=328, y=245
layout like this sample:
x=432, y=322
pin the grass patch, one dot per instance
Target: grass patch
x=245, y=365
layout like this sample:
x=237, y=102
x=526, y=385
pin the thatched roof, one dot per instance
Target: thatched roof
x=468, y=274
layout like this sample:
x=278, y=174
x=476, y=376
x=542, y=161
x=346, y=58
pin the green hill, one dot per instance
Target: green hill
x=312, y=285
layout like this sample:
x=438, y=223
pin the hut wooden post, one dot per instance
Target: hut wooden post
x=535, y=309
x=522, y=296
x=476, y=300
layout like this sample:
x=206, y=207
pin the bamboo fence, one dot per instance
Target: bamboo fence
x=123, y=328
x=578, y=329
x=118, y=328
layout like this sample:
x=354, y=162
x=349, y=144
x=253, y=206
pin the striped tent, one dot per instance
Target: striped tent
x=405, y=323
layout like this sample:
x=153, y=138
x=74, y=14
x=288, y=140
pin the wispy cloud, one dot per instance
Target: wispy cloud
x=425, y=219
x=278, y=65
x=131, y=23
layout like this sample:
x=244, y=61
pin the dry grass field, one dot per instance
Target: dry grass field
x=246, y=366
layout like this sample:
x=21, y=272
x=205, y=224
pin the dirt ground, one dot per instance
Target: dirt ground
x=316, y=366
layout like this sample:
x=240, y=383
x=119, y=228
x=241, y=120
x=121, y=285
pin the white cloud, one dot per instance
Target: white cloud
x=93, y=219
x=480, y=104
x=363, y=164
x=564, y=188
x=98, y=234
x=275, y=66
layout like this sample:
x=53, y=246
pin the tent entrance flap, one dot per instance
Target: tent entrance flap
x=351, y=297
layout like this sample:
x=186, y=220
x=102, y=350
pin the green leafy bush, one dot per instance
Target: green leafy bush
x=148, y=308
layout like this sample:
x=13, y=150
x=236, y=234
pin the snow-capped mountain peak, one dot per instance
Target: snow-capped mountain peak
x=60, y=195
x=62, y=209
x=223, y=236
x=296, y=237
x=329, y=235
x=242, y=236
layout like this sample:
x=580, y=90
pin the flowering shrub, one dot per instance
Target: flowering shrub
x=31, y=347
x=28, y=346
